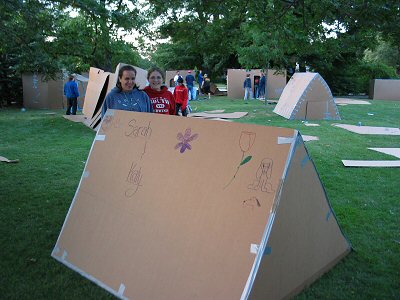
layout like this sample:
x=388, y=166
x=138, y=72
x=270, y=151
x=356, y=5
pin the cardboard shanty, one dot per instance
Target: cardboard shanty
x=39, y=93
x=385, y=89
x=276, y=82
x=307, y=97
x=100, y=84
x=185, y=208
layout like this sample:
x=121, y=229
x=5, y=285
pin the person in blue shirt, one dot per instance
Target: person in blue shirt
x=247, y=88
x=190, y=84
x=262, y=86
x=72, y=93
x=126, y=94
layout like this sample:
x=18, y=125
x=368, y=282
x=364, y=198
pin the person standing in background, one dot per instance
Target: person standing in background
x=176, y=77
x=126, y=94
x=247, y=88
x=162, y=99
x=200, y=79
x=72, y=93
x=190, y=84
x=261, y=88
x=181, y=98
x=206, y=86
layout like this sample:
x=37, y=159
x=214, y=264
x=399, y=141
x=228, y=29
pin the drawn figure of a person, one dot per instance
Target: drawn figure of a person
x=263, y=175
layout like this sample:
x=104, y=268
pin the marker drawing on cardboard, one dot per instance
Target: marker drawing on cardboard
x=263, y=175
x=133, y=179
x=246, y=141
x=185, y=139
x=251, y=203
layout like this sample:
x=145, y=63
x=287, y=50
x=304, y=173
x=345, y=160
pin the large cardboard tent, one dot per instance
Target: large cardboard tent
x=100, y=84
x=276, y=82
x=307, y=97
x=162, y=212
x=39, y=93
x=385, y=89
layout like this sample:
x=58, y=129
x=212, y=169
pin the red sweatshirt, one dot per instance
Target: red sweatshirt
x=181, y=94
x=163, y=101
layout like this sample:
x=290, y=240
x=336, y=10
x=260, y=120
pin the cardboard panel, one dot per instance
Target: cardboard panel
x=97, y=81
x=276, y=82
x=35, y=91
x=305, y=238
x=386, y=89
x=144, y=225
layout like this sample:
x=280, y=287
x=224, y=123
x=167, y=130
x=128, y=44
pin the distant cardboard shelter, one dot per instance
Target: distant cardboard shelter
x=250, y=221
x=307, y=97
x=276, y=82
x=41, y=94
x=385, y=89
x=100, y=84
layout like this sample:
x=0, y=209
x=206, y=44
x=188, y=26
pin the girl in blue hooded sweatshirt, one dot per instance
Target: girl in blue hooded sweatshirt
x=126, y=95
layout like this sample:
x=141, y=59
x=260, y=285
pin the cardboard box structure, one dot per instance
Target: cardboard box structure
x=100, y=84
x=385, y=89
x=185, y=208
x=39, y=93
x=307, y=97
x=276, y=82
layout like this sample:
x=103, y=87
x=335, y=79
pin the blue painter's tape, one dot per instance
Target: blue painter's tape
x=328, y=215
x=305, y=160
x=268, y=250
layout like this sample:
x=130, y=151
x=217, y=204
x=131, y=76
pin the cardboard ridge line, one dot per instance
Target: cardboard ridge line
x=209, y=239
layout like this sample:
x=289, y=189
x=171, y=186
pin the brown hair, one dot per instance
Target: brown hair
x=155, y=69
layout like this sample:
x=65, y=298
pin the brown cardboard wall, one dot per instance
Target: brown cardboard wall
x=386, y=89
x=276, y=82
x=41, y=94
x=97, y=80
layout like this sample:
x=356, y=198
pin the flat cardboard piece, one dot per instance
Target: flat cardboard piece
x=311, y=124
x=341, y=101
x=6, y=160
x=234, y=115
x=276, y=82
x=371, y=163
x=214, y=111
x=307, y=97
x=386, y=89
x=308, y=138
x=75, y=118
x=369, y=129
x=391, y=151
x=176, y=208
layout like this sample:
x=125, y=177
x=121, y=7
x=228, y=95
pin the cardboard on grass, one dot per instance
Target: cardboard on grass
x=186, y=208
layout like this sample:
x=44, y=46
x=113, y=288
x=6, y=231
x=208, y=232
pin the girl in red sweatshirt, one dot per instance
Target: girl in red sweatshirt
x=181, y=95
x=161, y=98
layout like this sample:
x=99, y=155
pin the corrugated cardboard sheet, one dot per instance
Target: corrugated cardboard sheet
x=177, y=208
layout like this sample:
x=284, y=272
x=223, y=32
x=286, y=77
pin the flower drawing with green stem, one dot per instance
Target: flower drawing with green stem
x=246, y=141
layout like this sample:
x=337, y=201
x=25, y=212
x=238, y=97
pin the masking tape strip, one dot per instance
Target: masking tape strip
x=86, y=174
x=100, y=137
x=285, y=140
x=254, y=248
x=64, y=256
x=110, y=112
x=121, y=290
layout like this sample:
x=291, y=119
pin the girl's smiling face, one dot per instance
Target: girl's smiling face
x=127, y=80
x=156, y=80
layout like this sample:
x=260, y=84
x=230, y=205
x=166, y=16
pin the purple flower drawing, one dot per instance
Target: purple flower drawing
x=185, y=140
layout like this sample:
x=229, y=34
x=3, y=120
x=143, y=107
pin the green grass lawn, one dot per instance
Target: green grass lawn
x=36, y=193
